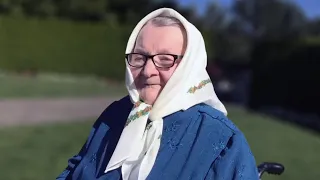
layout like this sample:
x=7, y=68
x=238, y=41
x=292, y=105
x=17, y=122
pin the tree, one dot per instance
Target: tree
x=230, y=43
x=37, y=7
x=270, y=18
x=313, y=27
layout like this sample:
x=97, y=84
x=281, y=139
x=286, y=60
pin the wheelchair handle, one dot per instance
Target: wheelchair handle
x=270, y=168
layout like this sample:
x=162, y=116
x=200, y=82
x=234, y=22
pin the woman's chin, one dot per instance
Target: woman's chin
x=150, y=94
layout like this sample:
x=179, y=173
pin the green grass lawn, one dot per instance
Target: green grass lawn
x=38, y=153
x=50, y=85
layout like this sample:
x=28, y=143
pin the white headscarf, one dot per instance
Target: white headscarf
x=189, y=85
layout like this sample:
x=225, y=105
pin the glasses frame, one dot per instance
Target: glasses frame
x=147, y=57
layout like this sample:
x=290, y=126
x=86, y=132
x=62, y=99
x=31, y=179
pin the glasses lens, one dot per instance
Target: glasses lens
x=136, y=60
x=164, y=60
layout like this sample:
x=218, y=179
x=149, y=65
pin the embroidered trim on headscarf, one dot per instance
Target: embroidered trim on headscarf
x=138, y=114
x=137, y=104
x=200, y=85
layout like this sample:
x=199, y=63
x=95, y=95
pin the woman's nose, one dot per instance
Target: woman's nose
x=149, y=69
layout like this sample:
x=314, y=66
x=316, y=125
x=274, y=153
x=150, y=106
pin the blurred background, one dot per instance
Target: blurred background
x=62, y=63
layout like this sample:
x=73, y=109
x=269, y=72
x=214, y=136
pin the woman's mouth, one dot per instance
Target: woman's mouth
x=151, y=85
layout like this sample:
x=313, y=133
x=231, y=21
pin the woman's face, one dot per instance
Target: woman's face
x=150, y=80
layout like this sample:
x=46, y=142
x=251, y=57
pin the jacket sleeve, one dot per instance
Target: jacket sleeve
x=74, y=161
x=235, y=162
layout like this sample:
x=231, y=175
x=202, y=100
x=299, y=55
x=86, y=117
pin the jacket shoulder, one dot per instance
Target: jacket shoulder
x=116, y=113
x=214, y=116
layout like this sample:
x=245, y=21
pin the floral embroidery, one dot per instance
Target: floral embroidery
x=93, y=158
x=200, y=85
x=137, y=104
x=138, y=114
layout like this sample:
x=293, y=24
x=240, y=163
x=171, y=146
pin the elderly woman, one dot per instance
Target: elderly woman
x=172, y=125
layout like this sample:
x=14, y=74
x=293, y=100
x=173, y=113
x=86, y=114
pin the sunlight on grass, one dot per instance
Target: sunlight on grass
x=272, y=140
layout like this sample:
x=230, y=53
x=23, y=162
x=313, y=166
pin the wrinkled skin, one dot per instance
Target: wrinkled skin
x=150, y=80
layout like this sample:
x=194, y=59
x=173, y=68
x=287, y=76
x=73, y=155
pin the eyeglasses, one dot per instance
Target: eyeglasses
x=159, y=60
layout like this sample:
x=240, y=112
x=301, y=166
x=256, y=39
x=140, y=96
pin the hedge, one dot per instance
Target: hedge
x=62, y=46
x=289, y=81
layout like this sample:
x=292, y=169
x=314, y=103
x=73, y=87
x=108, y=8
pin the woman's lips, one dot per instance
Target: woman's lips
x=151, y=85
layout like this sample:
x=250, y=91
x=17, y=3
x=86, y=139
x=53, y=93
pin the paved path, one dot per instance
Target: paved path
x=23, y=112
